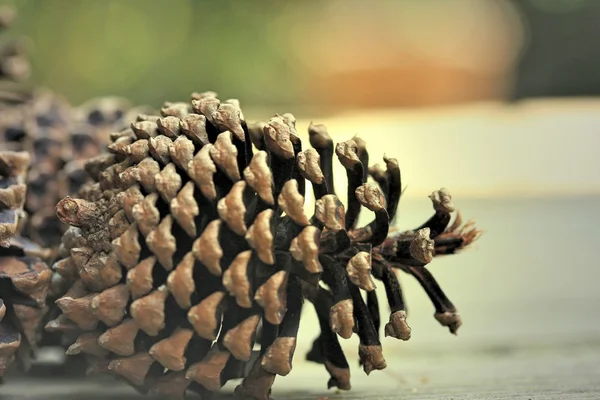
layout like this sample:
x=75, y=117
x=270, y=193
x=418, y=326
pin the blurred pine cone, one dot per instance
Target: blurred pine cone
x=59, y=138
x=13, y=92
x=24, y=277
x=14, y=64
x=191, y=240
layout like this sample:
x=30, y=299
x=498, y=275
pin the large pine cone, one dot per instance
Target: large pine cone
x=192, y=239
x=24, y=278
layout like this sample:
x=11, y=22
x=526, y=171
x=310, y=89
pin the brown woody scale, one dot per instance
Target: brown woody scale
x=24, y=278
x=192, y=239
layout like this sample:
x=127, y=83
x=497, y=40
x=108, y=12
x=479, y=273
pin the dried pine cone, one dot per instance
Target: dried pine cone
x=24, y=278
x=192, y=239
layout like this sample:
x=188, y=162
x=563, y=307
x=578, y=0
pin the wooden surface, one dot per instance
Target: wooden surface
x=528, y=294
x=561, y=373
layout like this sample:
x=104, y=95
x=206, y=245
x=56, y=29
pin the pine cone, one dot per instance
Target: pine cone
x=191, y=240
x=24, y=278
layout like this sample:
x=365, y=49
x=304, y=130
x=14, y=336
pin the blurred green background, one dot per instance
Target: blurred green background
x=317, y=55
x=150, y=51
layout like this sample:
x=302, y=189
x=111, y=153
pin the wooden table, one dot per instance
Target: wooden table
x=493, y=373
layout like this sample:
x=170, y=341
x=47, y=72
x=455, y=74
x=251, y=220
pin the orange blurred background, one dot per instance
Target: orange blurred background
x=407, y=53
